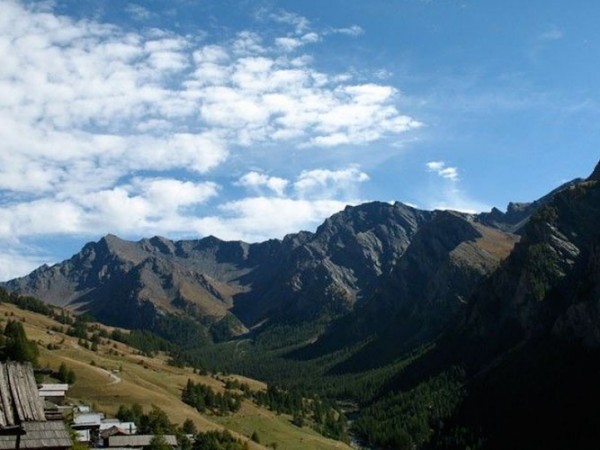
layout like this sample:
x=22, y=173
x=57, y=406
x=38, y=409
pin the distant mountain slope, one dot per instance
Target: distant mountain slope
x=302, y=277
x=517, y=214
x=424, y=293
x=125, y=283
x=337, y=266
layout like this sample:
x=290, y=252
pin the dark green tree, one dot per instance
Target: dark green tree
x=17, y=346
x=189, y=427
x=158, y=442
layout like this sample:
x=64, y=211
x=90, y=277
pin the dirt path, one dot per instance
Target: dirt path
x=113, y=377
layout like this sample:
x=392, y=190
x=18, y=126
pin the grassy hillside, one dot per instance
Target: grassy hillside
x=116, y=375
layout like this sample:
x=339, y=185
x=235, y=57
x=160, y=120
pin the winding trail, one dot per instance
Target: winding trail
x=114, y=378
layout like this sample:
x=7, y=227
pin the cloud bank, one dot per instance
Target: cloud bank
x=104, y=129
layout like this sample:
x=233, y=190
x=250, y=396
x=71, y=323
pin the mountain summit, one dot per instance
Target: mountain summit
x=304, y=277
x=595, y=176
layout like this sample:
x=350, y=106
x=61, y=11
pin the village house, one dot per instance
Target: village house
x=53, y=392
x=125, y=427
x=87, y=426
x=93, y=428
x=138, y=441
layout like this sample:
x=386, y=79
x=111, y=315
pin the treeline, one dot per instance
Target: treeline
x=65, y=375
x=157, y=422
x=14, y=344
x=408, y=420
x=145, y=341
x=323, y=415
x=218, y=440
x=170, y=334
x=27, y=303
x=204, y=398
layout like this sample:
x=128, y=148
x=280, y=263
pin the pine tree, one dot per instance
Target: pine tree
x=18, y=347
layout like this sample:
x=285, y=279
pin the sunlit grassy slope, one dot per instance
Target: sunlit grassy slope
x=107, y=380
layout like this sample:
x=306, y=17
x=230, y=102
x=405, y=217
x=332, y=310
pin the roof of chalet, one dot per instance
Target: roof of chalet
x=126, y=427
x=138, y=440
x=126, y=448
x=88, y=419
x=39, y=435
x=113, y=431
x=53, y=387
x=53, y=390
x=21, y=407
x=19, y=398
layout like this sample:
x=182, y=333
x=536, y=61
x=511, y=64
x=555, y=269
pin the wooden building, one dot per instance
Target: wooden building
x=23, y=423
x=137, y=441
x=54, y=392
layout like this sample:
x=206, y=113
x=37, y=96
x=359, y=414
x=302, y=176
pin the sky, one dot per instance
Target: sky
x=254, y=119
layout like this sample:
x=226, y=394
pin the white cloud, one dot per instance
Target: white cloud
x=450, y=195
x=101, y=127
x=322, y=183
x=138, y=12
x=444, y=171
x=353, y=30
x=311, y=37
x=15, y=264
x=257, y=180
x=552, y=34
x=146, y=205
x=259, y=218
x=169, y=195
x=289, y=44
x=455, y=199
x=314, y=195
x=248, y=43
x=87, y=79
x=300, y=23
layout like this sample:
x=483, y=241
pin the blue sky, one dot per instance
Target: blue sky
x=253, y=119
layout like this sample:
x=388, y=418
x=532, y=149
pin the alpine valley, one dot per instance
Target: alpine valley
x=430, y=329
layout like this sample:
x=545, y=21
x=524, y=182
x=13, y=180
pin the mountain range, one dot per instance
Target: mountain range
x=508, y=300
x=434, y=258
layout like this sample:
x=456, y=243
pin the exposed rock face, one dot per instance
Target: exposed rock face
x=595, y=176
x=126, y=283
x=337, y=266
x=581, y=320
x=304, y=276
x=550, y=282
x=426, y=290
x=446, y=260
x=517, y=214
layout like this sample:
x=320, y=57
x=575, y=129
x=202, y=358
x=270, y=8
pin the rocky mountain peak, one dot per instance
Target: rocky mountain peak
x=595, y=176
x=158, y=244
